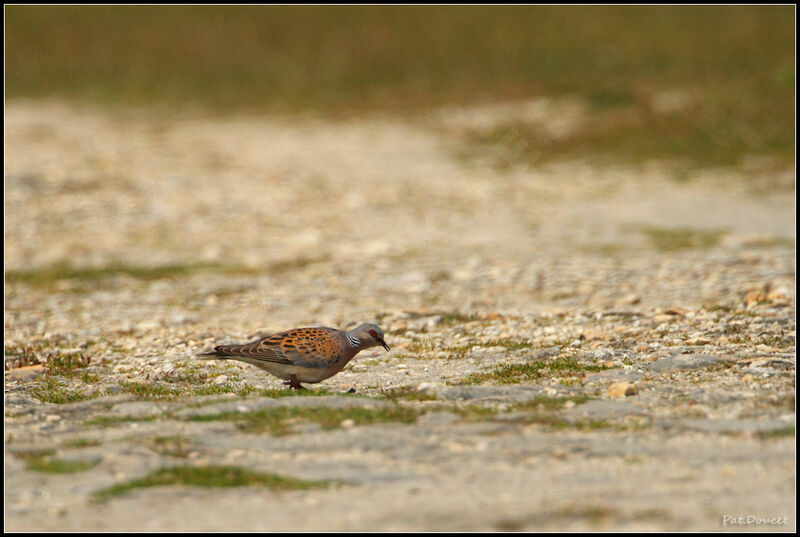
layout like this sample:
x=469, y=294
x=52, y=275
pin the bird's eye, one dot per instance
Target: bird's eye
x=373, y=333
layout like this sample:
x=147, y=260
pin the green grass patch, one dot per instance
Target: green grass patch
x=114, y=421
x=457, y=351
x=593, y=514
x=278, y=421
x=47, y=276
x=546, y=402
x=51, y=390
x=277, y=393
x=191, y=382
x=517, y=373
x=419, y=346
x=604, y=249
x=783, y=432
x=554, y=422
x=91, y=277
x=66, y=364
x=89, y=378
x=78, y=443
x=151, y=391
x=209, y=476
x=58, y=466
x=451, y=318
x=774, y=340
x=653, y=514
x=473, y=413
x=55, y=361
x=684, y=238
x=508, y=344
x=426, y=345
x=770, y=242
x=408, y=393
x=22, y=356
x=543, y=410
x=592, y=425
x=35, y=453
x=171, y=446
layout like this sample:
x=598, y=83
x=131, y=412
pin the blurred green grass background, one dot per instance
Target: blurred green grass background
x=736, y=62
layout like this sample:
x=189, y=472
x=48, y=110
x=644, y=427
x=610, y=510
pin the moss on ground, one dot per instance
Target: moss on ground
x=209, y=476
x=278, y=421
x=517, y=373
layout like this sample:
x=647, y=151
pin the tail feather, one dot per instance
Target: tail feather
x=217, y=353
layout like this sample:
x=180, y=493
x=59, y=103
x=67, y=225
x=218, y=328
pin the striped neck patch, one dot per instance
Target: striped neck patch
x=354, y=341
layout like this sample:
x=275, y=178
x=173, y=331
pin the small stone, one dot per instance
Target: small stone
x=145, y=326
x=677, y=310
x=27, y=372
x=427, y=388
x=348, y=423
x=221, y=379
x=58, y=510
x=432, y=322
x=758, y=371
x=686, y=361
x=622, y=389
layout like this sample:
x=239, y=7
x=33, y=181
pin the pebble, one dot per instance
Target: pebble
x=427, y=388
x=758, y=371
x=685, y=361
x=622, y=389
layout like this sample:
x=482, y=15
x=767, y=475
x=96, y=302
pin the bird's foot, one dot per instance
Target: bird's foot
x=294, y=383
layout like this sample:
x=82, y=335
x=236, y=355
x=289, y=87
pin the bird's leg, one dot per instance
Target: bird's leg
x=294, y=383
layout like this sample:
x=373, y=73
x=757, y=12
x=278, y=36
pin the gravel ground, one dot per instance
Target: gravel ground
x=574, y=346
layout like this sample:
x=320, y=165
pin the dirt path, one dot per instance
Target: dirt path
x=522, y=305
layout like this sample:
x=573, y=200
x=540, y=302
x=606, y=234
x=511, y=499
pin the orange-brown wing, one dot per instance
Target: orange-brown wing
x=311, y=347
x=305, y=347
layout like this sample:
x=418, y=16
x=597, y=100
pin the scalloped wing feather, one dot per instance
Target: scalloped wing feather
x=305, y=347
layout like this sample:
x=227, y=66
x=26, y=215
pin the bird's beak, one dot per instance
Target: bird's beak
x=383, y=344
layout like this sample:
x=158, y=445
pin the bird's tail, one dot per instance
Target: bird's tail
x=216, y=354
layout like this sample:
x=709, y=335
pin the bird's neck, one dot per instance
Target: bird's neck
x=354, y=341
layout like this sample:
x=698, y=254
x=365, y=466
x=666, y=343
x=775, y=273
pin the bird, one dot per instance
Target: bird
x=308, y=355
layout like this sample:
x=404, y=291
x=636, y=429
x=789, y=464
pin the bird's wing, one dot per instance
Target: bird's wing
x=304, y=347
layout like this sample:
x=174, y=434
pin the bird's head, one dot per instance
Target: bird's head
x=367, y=335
